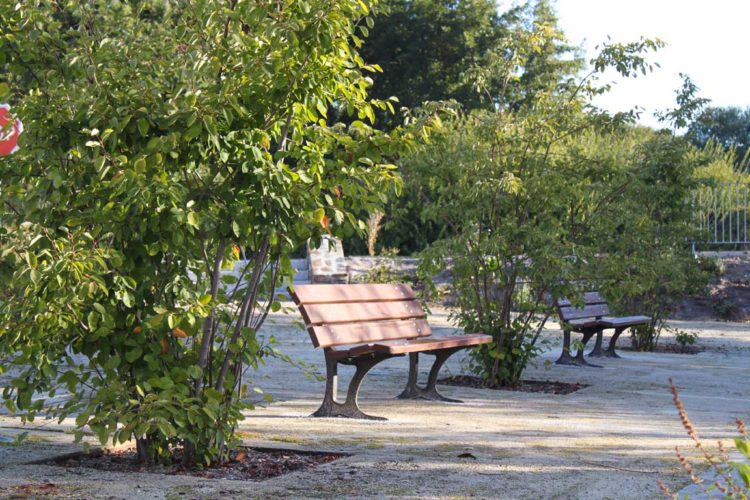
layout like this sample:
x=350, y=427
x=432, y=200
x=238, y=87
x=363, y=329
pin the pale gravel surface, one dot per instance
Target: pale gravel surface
x=610, y=440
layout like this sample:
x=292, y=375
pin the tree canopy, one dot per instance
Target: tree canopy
x=163, y=138
x=730, y=126
x=425, y=48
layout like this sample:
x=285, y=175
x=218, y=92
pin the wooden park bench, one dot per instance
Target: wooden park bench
x=592, y=318
x=362, y=325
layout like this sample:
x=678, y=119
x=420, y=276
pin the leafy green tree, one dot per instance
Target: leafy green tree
x=522, y=200
x=518, y=74
x=717, y=164
x=554, y=62
x=730, y=126
x=424, y=46
x=689, y=105
x=163, y=137
x=646, y=265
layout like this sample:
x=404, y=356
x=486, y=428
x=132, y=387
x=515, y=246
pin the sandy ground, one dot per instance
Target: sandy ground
x=612, y=439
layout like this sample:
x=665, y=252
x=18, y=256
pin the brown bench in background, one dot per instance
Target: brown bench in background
x=590, y=319
x=362, y=325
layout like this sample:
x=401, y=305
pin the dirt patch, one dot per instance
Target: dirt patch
x=37, y=490
x=726, y=298
x=247, y=464
x=545, y=386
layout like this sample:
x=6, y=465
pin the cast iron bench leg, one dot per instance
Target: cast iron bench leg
x=414, y=391
x=610, y=352
x=566, y=359
x=597, y=352
x=349, y=408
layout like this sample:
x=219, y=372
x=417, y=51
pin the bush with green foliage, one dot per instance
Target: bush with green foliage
x=646, y=264
x=383, y=271
x=523, y=202
x=685, y=338
x=162, y=137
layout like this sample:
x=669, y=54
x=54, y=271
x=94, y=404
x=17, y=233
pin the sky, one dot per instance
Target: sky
x=706, y=39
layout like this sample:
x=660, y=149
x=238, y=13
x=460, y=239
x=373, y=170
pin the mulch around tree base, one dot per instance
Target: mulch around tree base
x=545, y=386
x=670, y=349
x=248, y=464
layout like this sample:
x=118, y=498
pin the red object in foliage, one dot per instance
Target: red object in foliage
x=9, y=132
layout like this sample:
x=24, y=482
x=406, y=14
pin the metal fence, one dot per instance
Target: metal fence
x=721, y=213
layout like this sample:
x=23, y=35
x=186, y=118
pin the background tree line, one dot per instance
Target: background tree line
x=427, y=49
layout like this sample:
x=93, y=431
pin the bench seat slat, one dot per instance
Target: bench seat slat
x=333, y=294
x=368, y=332
x=431, y=343
x=404, y=346
x=584, y=323
x=612, y=322
x=331, y=314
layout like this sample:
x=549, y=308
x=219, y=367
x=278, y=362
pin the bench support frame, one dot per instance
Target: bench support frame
x=597, y=351
x=577, y=360
x=413, y=390
x=349, y=408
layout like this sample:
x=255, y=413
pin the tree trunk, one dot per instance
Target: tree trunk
x=142, y=446
x=247, y=305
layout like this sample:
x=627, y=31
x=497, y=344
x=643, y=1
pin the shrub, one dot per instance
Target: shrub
x=163, y=137
x=520, y=200
x=383, y=272
x=714, y=266
x=647, y=266
x=685, y=339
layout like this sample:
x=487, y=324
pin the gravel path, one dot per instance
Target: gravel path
x=612, y=439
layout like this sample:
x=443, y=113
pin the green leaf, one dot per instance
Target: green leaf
x=99, y=163
x=4, y=89
x=743, y=446
x=112, y=363
x=192, y=219
x=133, y=354
x=140, y=165
x=318, y=215
x=143, y=126
x=744, y=471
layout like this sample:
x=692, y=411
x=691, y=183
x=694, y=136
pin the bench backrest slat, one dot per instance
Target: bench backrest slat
x=351, y=314
x=334, y=294
x=569, y=313
x=589, y=298
x=594, y=305
x=354, y=312
x=360, y=333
